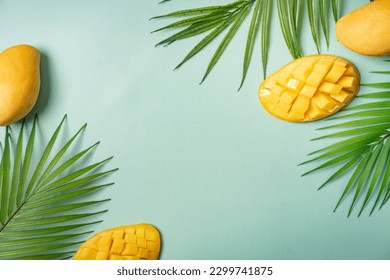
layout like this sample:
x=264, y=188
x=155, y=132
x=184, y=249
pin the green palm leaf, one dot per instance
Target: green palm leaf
x=362, y=151
x=213, y=20
x=43, y=205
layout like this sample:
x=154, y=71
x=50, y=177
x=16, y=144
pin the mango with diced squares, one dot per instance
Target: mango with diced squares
x=133, y=242
x=310, y=88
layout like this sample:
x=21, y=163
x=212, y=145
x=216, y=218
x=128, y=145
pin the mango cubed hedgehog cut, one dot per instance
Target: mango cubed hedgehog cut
x=310, y=88
x=133, y=242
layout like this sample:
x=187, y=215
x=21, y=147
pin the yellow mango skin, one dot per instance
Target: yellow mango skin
x=19, y=82
x=310, y=88
x=132, y=242
x=366, y=29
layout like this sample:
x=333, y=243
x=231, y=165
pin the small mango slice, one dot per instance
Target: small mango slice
x=19, y=82
x=310, y=88
x=132, y=242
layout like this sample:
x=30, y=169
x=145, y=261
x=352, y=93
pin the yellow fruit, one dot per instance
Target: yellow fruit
x=19, y=82
x=310, y=88
x=133, y=242
x=366, y=29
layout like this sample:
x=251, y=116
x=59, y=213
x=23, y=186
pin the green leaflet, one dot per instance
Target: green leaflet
x=335, y=9
x=202, y=10
x=43, y=204
x=288, y=12
x=353, y=180
x=5, y=179
x=362, y=150
x=340, y=172
x=378, y=171
x=265, y=28
x=365, y=176
x=28, y=251
x=16, y=173
x=195, y=20
x=380, y=94
x=366, y=113
x=336, y=159
x=44, y=230
x=36, y=240
x=384, y=85
x=222, y=25
x=362, y=122
x=253, y=30
x=26, y=162
x=42, y=161
x=312, y=12
x=241, y=15
x=213, y=20
x=323, y=8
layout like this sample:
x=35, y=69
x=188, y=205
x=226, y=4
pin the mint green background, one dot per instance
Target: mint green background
x=205, y=164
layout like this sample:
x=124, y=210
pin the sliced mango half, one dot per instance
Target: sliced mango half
x=310, y=88
x=133, y=242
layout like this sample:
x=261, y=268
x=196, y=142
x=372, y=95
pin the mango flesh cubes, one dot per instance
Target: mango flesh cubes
x=134, y=242
x=310, y=88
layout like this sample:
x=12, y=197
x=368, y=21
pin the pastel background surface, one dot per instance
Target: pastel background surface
x=206, y=165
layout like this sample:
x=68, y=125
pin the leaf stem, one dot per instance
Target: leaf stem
x=12, y=216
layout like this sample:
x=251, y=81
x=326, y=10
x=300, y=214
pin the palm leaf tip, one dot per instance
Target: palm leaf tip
x=42, y=201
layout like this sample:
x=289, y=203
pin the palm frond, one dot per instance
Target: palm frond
x=43, y=204
x=363, y=153
x=214, y=20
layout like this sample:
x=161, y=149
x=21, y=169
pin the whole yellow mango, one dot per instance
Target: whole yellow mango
x=366, y=29
x=19, y=82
